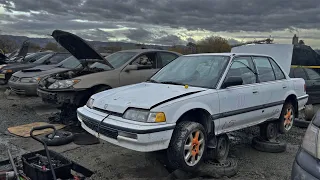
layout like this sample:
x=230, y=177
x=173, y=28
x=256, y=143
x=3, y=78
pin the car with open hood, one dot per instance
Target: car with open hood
x=189, y=105
x=118, y=69
x=26, y=81
x=41, y=58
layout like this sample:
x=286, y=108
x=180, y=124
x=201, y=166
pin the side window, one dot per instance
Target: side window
x=265, y=71
x=166, y=58
x=146, y=61
x=243, y=67
x=58, y=58
x=277, y=71
x=298, y=73
x=312, y=74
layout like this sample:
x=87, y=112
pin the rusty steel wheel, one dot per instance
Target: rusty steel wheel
x=194, y=147
x=289, y=117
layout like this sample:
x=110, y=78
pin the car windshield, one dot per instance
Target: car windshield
x=70, y=63
x=199, y=71
x=120, y=58
x=42, y=59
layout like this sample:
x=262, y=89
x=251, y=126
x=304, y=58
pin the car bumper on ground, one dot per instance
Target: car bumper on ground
x=63, y=97
x=23, y=88
x=143, y=137
x=305, y=167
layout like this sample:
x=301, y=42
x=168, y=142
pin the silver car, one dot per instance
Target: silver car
x=26, y=81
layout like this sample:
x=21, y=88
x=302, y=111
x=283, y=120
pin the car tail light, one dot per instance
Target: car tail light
x=311, y=141
x=305, y=87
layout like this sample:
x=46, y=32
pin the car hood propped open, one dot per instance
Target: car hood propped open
x=78, y=47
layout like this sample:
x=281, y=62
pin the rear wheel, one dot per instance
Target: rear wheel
x=269, y=131
x=220, y=153
x=286, y=118
x=187, y=146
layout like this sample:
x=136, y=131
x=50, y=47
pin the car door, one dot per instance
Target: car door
x=238, y=104
x=313, y=86
x=273, y=90
x=146, y=63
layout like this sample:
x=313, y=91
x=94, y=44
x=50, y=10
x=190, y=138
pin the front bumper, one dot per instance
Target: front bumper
x=138, y=136
x=23, y=88
x=76, y=97
x=305, y=167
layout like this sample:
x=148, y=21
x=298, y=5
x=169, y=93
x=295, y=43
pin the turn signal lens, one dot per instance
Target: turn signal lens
x=160, y=117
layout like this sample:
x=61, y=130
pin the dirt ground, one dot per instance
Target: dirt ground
x=112, y=162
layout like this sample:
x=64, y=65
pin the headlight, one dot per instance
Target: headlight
x=144, y=115
x=1, y=66
x=90, y=103
x=7, y=71
x=63, y=84
x=30, y=80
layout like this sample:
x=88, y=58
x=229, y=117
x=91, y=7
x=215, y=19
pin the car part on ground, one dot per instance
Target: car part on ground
x=220, y=153
x=269, y=130
x=268, y=146
x=60, y=138
x=301, y=123
x=309, y=112
x=225, y=168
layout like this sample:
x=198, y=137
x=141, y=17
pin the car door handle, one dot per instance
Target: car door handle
x=284, y=87
x=254, y=92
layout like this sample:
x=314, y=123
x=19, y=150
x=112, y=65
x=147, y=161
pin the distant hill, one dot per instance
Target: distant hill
x=96, y=44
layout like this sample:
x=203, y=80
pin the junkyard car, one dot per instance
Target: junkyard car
x=193, y=100
x=26, y=81
x=48, y=58
x=312, y=79
x=121, y=68
x=306, y=164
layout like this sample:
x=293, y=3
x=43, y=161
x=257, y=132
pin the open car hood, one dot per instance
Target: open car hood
x=78, y=47
x=22, y=51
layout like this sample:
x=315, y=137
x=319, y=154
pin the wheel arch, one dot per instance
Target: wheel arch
x=293, y=99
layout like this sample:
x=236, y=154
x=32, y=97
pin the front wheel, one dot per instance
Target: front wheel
x=286, y=118
x=187, y=146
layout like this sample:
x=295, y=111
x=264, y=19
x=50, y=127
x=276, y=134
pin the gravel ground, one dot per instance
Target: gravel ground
x=112, y=162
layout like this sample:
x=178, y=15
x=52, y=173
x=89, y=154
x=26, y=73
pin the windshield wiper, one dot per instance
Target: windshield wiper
x=171, y=82
x=153, y=81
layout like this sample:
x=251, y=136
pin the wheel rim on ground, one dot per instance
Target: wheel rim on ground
x=194, y=147
x=222, y=148
x=288, y=119
x=271, y=131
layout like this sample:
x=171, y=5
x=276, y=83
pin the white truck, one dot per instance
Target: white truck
x=188, y=106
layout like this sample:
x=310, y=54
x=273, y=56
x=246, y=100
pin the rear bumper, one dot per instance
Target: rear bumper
x=305, y=167
x=23, y=88
x=76, y=97
x=302, y=101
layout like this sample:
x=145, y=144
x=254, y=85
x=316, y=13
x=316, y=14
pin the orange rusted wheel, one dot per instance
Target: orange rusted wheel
x=194, y=147
x=287, y=117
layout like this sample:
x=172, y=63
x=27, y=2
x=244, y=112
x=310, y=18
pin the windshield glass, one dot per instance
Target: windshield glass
x=199, y=71
x=120, y=58
x=43, y=59
x=70, y=63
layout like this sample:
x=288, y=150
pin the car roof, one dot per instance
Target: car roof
x=227, y=54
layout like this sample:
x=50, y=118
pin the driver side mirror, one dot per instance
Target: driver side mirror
x=232, y=81
x=131, y=67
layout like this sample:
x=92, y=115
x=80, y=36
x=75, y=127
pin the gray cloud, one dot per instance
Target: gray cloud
x=211, y=15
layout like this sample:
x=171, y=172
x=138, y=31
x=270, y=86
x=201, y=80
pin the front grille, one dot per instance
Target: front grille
x=97, y=127
x=14, y=79
x=108, y=112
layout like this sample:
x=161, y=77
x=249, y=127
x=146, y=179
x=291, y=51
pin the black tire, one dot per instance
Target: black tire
x=301, y=123
x=267, y=146
x=286, y=106
x=212, y=169
x=61, y=138
x=176, y=152
x=269, y=130
x=220, y=153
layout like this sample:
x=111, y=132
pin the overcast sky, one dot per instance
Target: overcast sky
x=165, y=21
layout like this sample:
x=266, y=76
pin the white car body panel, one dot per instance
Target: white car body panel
x=231, y=108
